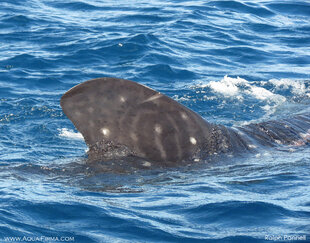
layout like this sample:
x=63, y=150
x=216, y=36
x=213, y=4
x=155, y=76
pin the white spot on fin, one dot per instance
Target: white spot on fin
x=133, y=136
x=105, y=131
x=193, y=140
x=154, y=97
x=77, y=113
x=158, y=128
x=122, y=99
x=184, y=116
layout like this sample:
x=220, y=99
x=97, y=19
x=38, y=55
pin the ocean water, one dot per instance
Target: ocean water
x=233, y=62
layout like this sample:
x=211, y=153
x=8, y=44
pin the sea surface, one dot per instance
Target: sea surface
x=233, y=62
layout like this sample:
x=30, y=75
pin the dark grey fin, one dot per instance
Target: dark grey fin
x=125, y=113
x=290, y=131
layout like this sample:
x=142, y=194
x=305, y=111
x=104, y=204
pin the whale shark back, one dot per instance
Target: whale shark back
x=123, y=113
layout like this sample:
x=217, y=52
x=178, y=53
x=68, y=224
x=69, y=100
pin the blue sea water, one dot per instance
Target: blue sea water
x=233, y=62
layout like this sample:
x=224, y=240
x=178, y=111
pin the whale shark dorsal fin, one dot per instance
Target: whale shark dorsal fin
x=124, y=112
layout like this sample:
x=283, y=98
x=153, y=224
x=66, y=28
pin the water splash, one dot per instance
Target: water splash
x=70, y=134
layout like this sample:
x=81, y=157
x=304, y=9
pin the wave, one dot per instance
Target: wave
x=252, y=8
x=67, y=133
x=76, y=6
x=298, y=8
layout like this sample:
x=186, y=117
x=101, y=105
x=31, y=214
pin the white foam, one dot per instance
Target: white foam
x=64, y=132
x=265, y=92
x=181, y=98
x=238, y=87
x=305, y=136
x=227, y=86
x=297, y=87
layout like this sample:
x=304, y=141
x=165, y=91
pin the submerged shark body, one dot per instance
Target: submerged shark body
x=120, y=118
